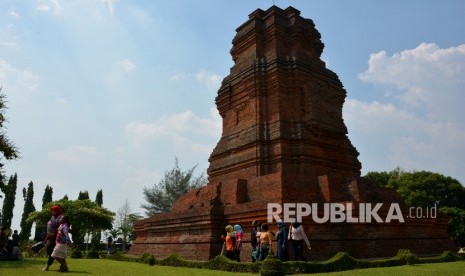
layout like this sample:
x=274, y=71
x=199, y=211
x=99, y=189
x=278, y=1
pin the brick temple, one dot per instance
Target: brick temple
x=284, y=141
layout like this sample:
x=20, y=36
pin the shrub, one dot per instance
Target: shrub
x=446, y=256
x=119, y=256
x=407, y=256
x=147, y=259
x=144, y=258
x=272, y=266
x=340, y=261
x=76, y=253
x=151, y=260
x=93, y=254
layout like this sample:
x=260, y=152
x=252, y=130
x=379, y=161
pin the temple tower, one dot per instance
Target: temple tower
x=282, y=111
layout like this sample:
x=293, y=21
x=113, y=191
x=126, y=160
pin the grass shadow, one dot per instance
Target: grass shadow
x=24, y=263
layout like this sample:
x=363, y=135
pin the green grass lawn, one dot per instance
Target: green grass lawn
x=110, y=267
x=103, y=267
x=452, y=268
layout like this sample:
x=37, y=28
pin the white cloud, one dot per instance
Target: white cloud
x=212, y=80
x=77, y=156
x=420, y=123
x=109, y=4
x=62, y=101
x=13, y=13
x=12, y=78
x=9, y=44
x=427, y=78
x=209, y=79
x=49, y=6
x=127, y=65
x=179, y=77
x=185, y=130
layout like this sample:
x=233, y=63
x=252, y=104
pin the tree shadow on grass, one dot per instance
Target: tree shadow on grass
x=77, y=272
x=24, y=263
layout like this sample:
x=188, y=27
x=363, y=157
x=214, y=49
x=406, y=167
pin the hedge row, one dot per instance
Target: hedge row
x=272, y=266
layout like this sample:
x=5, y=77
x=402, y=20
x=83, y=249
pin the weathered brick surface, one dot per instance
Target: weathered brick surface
x=284, y=140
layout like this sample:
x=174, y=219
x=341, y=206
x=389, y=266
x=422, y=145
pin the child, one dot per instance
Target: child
x=62, y=242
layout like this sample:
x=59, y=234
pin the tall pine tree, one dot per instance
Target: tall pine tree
x=9, y=202
x=83, y=195
x=99, y=198
x=47, y=195
x=28, y=208
x=97, y=235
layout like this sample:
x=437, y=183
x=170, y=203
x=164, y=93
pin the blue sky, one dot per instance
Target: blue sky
x=103, y=94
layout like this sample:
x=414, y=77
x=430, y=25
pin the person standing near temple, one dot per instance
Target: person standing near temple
x=282, y=242
x=266, y=239
x=298, y=236
x=253, y=240
x=239, y=235
x=230, y=240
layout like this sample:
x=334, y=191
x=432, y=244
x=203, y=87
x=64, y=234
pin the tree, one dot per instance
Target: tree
x=7, y=148
x=85, y=216
x=426, y=189
x=47, y=195
x=9, y=201
x=97, y=235
x=99, y=198
x=422, y=188
x=124, y=223
x=83, y=195
x=160, y=198
x=456, y=224
x=28, y=208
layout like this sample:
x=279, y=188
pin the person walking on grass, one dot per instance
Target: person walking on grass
x=52, y=230
x=62, y=242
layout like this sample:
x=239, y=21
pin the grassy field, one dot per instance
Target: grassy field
x=443, y=269
x=109, y=267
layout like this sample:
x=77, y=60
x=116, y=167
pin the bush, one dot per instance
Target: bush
x=93, y=254
x=147, y=259
x=407, y=256
x=446, y=256
x=119, y=256
x=341, y=261
x=76, y=253
x=272, y=266
x=151, y=260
